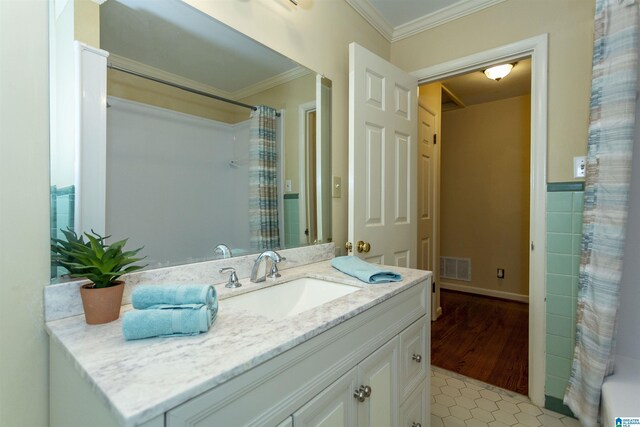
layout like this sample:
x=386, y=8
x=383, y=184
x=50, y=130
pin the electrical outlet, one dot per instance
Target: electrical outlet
x=501, y=273
x=579, y=166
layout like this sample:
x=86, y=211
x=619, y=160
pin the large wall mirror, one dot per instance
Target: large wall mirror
x=187, y=155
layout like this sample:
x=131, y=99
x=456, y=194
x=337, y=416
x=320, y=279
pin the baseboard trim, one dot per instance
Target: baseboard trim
x=486, y=292
x=557, y=405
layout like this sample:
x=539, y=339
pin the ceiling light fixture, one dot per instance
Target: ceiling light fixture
x=498, y=72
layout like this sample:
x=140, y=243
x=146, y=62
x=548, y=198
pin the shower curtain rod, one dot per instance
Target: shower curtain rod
x=185, y=88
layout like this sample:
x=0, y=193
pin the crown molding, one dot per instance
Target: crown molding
x=277, y=80
x=442, y=16
x=269, y=83
x=165, y=75
x=373, y=17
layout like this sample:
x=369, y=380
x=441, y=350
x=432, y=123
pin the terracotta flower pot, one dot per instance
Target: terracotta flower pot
x=101, y=305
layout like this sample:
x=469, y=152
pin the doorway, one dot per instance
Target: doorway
x=484, y=208
x=536, y=48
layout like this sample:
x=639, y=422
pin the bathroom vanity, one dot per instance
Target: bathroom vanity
x=361, y=359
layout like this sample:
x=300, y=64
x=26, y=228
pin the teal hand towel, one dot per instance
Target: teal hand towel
x=368, y=273
x=165, y=322
x=145, y=296
x=213, y=309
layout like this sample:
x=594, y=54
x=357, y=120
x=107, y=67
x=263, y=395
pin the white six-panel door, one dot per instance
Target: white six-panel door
x=382, y=159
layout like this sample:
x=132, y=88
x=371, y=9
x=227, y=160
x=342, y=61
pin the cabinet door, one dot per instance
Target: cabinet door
x=379, y=371
x=415, y=411
x=414, y=357
x=333, y=407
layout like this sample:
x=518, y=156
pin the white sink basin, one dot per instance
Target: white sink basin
x=289, y=298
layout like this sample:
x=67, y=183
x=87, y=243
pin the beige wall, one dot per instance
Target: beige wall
x=485, y=192
x=289, y=97
x=86, y=14
x=148, y=92
x=24, y=212
x=317, y=35
x=569, y=24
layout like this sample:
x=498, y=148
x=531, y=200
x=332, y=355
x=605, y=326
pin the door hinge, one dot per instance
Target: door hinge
x=533, y=246
x=435, y=138
x=433, y=288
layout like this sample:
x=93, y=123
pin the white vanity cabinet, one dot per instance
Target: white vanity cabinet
x=384, y=347
x=395, y=367
x=365, y=396
x=333, y=407
x=317, y=381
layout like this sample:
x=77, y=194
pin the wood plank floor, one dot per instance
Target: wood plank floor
x=483, y=338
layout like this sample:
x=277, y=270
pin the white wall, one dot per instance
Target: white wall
x=24, y=211
x=197, y=201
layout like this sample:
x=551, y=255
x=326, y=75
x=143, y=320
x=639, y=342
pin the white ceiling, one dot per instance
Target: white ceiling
x=397, y=19
x=173, y=37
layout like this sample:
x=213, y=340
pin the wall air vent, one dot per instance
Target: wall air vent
x=455, y=268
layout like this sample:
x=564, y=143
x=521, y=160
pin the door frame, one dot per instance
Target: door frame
x=303, y=112
x=537, y=48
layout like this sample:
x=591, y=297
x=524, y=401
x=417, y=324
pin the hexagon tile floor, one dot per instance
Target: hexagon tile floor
x=459, y=401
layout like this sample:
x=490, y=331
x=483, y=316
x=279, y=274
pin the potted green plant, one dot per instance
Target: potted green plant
x=100, y=263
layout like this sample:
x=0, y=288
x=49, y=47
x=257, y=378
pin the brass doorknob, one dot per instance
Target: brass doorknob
x=363, y=246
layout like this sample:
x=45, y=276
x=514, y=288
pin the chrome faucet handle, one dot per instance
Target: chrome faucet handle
x=273, y=272
x=233, y=278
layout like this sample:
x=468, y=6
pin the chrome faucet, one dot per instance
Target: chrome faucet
x=273, y=269
x=224, y=250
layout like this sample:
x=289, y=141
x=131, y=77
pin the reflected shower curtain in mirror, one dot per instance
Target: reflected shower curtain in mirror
x=606, y=200
x=263, y=170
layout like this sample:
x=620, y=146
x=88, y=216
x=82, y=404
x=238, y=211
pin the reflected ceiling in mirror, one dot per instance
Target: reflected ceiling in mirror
x=172, y=36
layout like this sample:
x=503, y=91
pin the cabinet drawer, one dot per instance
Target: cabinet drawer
x=414, y=356
x=416, y=410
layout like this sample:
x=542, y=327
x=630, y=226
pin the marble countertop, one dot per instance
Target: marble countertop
x=141, y=379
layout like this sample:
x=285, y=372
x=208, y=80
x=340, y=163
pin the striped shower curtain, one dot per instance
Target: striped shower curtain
x=610, y=145
x=263, y=170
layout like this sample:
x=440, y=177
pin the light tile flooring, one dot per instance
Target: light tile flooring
x=459, y=401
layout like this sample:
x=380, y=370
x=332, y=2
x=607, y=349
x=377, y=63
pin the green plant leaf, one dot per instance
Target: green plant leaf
x=94, y=259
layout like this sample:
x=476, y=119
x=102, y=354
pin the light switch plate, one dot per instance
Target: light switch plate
x=337, y=187
x=579, y=166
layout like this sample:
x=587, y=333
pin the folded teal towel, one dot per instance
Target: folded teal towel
x=368, y=273
x=167, y=321
x=145, y=296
